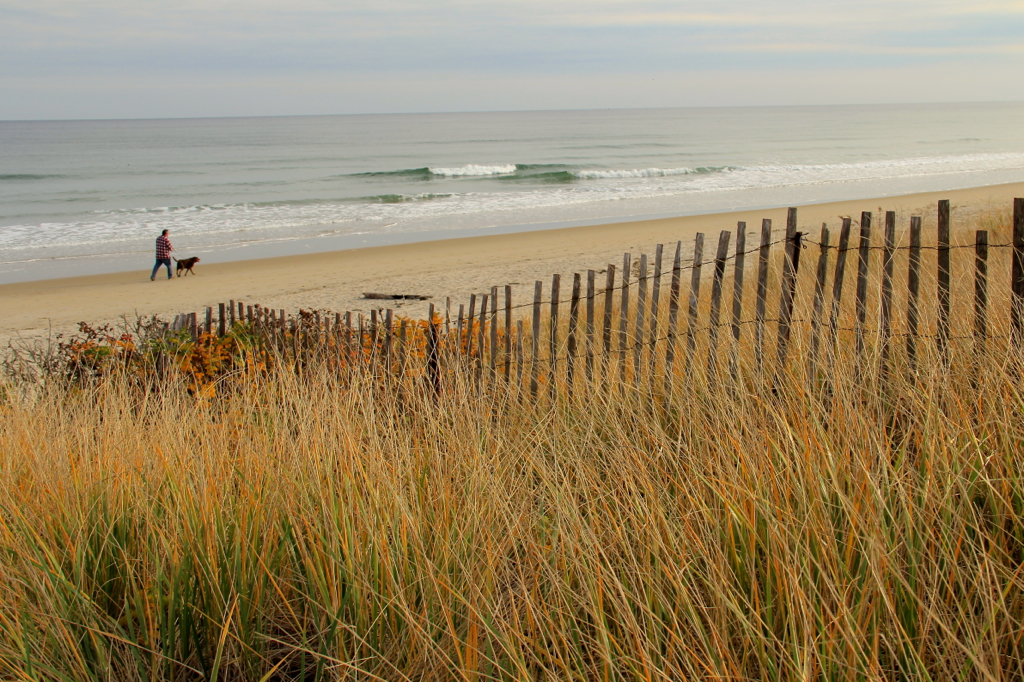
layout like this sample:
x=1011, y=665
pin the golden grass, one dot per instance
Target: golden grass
x=298, y=529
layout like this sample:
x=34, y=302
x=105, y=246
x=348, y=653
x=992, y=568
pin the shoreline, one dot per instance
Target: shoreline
x=452, y=267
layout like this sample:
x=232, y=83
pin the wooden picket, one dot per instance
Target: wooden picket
x=638, y=346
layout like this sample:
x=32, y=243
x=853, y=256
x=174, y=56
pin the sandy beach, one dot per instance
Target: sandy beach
x=445, y=268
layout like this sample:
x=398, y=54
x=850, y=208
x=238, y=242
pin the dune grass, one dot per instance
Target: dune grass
x=296, y=529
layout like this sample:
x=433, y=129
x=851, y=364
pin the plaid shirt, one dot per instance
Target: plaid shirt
x=163, y=247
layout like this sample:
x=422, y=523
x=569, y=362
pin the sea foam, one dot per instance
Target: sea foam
x=635, y=173
x=474, y=170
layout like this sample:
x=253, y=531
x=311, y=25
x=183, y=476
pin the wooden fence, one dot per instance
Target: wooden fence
x=639, y=323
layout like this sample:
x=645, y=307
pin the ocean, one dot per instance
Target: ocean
x=81, y=197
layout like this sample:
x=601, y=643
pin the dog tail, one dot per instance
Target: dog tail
x=174, y=259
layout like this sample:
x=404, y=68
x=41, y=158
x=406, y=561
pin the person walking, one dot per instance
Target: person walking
x=163, y=254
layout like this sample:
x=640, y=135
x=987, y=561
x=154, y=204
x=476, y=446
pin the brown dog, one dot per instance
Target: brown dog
x=185, y=264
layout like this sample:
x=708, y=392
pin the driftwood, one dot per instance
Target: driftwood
x=394, y=297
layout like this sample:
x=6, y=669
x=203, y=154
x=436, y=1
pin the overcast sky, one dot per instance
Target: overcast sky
x=172, y=58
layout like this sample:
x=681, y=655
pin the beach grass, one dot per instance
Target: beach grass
x=869, y=526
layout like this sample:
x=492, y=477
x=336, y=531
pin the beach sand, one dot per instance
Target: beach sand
x=453, y=268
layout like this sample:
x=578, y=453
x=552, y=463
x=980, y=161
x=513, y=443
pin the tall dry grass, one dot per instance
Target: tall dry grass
x=867, y=527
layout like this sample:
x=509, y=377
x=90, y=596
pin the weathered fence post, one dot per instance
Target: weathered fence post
x=349, y=360
x=591, y=292
x=360, y=344
x=837, y=288
x=913, y=290
x=1017, y=274
x=885, y=311
x=372, y=339
x=641, y=310
x=494, y=332
x=943, y=257
x=433, y=368
x=673, y=316
x=538, y=293
x=655, y=302
x=787, y=296
x=819, y=307
x=862, y=291
x=519, y=355
x=325, y=340
x=222, y=320
x=271, y=333
x=388, y=364
x=606, y=325
x=403, y=351
x=374, y=334
x=762, y=293
x=160, y=366
x=980, y=293
x=624, y=318
x=691, y=322
x=208, y=328
x=337, y=343
x=508, y=332
x=716, y=301
x=459, y=346
x=317, y=331
x=469, y=328
x=481, y=340
x=556, y=283
x=231, y=312
x=574, y=311
x=737, y=302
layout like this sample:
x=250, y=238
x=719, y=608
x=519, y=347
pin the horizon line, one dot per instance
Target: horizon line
x=858, y=105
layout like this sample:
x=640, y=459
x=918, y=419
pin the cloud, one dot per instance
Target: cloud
x=268, y=42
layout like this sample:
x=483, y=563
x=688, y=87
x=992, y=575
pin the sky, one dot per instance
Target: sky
x=73, y=59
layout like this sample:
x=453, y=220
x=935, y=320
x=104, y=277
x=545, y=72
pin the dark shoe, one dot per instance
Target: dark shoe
x=152, y=278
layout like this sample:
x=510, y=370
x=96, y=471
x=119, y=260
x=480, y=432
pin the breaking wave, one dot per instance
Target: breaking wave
x=474, y=170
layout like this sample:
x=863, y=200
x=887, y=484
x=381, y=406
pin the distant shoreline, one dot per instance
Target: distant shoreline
x=440, y=268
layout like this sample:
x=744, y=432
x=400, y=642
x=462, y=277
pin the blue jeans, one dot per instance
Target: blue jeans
x=159, y=262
